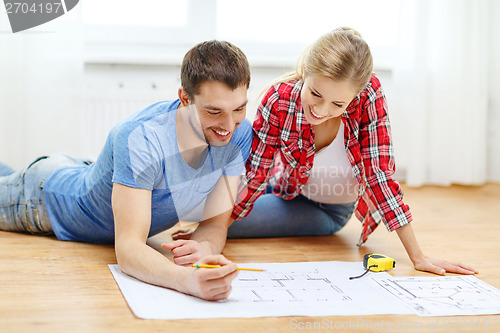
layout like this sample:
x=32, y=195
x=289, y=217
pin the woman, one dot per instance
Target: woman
x=322, y=140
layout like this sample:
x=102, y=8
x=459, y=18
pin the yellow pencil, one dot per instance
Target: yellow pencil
x=217, y=266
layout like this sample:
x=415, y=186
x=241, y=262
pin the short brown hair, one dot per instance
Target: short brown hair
x=214, y=61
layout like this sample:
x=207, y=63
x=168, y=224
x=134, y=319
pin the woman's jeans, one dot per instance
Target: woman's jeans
x=275, y=217
x=22, y=205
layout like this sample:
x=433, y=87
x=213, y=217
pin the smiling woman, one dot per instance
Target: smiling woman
x=298, y=116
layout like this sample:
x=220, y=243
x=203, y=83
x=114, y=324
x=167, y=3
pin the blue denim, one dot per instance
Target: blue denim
x=5, y=170
x=275, y=217
x=22, y=206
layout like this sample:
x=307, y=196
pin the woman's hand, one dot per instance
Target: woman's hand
x=424, y=263
x=440, y=267
x=187, y=252
x=212, y=284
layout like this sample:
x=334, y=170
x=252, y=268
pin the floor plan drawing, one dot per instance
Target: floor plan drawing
x=316, y=289
x=292, y=286
x=282, y=289
x=448, y=295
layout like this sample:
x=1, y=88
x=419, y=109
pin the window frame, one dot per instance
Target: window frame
x=148, y=45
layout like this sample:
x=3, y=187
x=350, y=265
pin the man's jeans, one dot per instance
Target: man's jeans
x=5, y=170
x=22, y=206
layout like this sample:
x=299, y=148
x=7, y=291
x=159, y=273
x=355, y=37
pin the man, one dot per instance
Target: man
x=157, y=166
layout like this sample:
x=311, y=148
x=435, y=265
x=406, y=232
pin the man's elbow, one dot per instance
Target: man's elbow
x=123, y=250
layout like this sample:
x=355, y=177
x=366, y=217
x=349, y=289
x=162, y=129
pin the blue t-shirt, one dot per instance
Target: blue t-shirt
x=140, y=152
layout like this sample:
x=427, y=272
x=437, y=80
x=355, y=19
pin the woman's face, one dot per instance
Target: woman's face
x=324, y=98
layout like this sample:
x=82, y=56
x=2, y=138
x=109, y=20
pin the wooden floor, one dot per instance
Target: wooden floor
x=52, y=286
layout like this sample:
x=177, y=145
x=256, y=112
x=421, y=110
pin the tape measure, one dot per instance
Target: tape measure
x=376, y=262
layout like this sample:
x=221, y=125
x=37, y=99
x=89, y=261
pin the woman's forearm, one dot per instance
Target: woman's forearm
x=407, y=237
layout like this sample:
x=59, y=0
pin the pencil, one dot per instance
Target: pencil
x=217, y=266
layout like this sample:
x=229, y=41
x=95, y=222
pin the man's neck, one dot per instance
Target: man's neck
x=190, y=140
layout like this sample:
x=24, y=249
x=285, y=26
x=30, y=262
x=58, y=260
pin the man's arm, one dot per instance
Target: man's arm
x=210, y=235
x=132, y=215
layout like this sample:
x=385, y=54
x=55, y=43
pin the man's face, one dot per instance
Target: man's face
x=220, y=110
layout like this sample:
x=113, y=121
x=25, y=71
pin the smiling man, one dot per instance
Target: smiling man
x=158, y=166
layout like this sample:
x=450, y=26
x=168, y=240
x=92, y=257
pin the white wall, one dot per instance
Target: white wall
x=114, y=91
x=41, y=88
x=494, y=94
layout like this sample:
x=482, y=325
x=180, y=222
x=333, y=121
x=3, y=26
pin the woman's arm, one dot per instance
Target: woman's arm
x=266, y=128
x=378, y=160
x=424, y=263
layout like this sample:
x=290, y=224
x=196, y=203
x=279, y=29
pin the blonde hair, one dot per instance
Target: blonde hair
x=340, y=54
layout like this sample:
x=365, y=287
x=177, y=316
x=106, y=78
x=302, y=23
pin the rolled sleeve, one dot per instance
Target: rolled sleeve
x=378, y=159
x=261, y=160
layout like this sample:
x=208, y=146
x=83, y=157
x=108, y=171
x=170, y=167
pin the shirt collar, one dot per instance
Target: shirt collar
x=353, y=107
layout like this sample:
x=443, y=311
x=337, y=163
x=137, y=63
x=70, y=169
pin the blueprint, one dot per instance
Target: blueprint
x=283, y=289
x=316, y=289
x=294, y=286
x=444, y=295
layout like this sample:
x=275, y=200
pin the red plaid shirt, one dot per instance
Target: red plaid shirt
x=283, y=149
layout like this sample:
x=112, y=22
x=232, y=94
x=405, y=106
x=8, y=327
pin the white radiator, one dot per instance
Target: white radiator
x=101, y=114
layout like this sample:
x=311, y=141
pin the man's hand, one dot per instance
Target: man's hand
x=187, y=252
x=212, y=284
